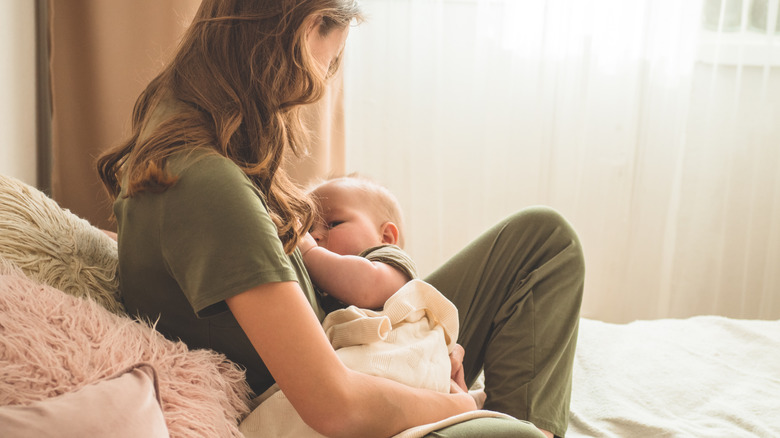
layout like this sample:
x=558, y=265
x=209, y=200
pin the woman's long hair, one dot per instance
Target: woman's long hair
x=241, y=72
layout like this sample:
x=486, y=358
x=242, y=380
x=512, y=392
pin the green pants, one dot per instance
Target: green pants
x=518, y=290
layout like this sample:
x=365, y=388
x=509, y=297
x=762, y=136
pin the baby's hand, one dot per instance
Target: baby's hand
x=306, y=244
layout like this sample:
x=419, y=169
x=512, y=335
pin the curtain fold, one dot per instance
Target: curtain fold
x=654, y=131
x=325, y=123
x=103, y=55
x=43, y=101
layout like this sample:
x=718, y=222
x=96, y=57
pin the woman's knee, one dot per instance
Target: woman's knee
x=539, y=217
x=549, y=225
x=544, y=220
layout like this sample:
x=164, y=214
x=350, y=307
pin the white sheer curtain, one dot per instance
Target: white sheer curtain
x=652, y=125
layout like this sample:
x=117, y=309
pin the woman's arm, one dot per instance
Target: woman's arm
x=329, y=397
x=351, y=279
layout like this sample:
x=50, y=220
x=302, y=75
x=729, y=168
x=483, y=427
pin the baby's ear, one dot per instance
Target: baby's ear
x=389, y=232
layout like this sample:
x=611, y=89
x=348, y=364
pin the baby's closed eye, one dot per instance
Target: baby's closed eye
x=319, y=226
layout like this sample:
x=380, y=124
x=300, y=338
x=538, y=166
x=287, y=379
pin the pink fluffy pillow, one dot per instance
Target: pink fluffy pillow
x=52, y=343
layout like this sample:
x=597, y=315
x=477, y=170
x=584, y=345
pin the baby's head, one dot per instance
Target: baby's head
x=355, y=214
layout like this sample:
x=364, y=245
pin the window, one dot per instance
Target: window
x=740, y=32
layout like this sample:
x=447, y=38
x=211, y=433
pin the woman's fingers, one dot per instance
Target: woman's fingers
x=456, y=364
x=455, y=387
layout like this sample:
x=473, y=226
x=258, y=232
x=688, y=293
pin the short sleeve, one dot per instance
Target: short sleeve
x=217, y=237
x=394, y=256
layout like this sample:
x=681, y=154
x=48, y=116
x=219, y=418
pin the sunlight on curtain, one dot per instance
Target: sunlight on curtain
x=652, y=125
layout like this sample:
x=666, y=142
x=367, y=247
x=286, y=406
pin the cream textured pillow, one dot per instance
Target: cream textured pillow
x=56, y=247
x=123, y=406
x=52, y=343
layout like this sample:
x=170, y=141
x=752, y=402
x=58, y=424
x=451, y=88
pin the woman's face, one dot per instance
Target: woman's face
x=325, y=49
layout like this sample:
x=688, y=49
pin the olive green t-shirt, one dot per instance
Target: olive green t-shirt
x=394, y=256
x=182, y=252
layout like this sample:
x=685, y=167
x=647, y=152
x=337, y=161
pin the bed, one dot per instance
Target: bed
x=705, y=376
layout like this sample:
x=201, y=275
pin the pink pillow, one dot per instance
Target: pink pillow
x=123, y=406
x=52, y=343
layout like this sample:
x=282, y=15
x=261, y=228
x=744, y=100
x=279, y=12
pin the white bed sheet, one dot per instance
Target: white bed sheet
x=705, y=376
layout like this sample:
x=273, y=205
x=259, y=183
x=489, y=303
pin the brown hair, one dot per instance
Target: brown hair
x=241, y=73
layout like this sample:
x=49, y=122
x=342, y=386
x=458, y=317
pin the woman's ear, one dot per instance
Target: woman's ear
x=389, y=232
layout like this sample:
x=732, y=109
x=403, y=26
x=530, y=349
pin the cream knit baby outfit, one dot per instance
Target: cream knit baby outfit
x=409, y=341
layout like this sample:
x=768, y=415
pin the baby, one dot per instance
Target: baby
x=354, y=258
x=354, y=253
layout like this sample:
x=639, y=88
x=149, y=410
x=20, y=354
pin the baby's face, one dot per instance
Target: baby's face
x=347, y=226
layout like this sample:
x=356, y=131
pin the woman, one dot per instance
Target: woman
x=209, y=229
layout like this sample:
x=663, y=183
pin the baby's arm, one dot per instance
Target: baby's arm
x=351, y=279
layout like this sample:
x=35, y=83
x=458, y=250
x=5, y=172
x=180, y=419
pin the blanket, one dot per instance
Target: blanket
x=705, y=376
x=408, y=341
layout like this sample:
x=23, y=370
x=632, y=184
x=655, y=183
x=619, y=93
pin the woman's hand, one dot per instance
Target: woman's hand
x=472, y=404
x=458, y=381
x=456, y=364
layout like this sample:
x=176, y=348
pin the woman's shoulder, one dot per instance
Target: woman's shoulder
x=205, y=166
x=207, y=178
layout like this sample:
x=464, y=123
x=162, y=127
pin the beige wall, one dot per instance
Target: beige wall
x=17, y=88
